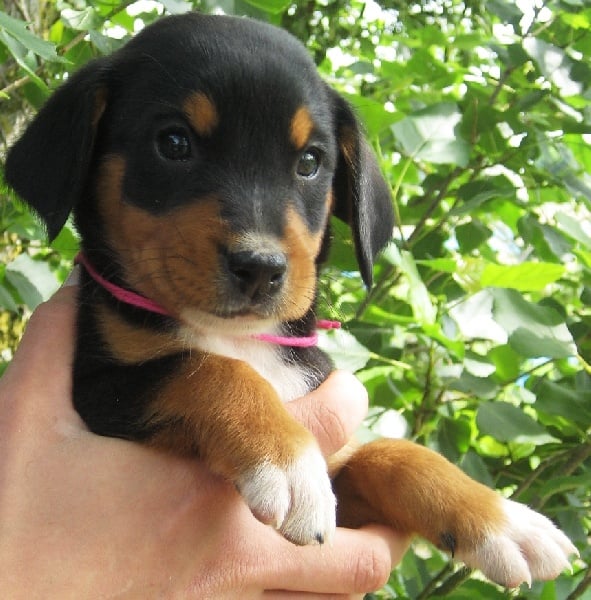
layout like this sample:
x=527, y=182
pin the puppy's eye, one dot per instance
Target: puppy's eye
x=174, y=144
x=309, y=163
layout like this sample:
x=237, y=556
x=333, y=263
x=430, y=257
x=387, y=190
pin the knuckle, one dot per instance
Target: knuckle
x=371, y=571
x=329, y=429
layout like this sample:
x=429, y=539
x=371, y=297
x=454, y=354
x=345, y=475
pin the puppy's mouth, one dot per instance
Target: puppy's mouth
x=241, y=307
x=235, y=323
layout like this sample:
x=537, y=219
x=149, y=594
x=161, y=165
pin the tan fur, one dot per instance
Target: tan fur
x=215, y=397
x=130, y=344
x=416, y=491
x=166, y=261
x=165, y=257
x=302, y=248
x=301, y=127
x=202, y=113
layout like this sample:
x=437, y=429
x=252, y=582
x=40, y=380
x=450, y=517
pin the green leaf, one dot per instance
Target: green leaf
x=573, y=228
x=480, y=387
x=477, y=192
x=556, y=399
x=479, y=366
x=526, y=276
x=373, y=115
x=540, y=344
x=435, y=332
x=177, y=7
x=273, y=7
x=533, y=330
x=32, y=279
x=82, y=20
x=66, y=243
x=378, y=316
x=453, y=438
x=423, y=309
x=580, y=20
x=474, y=318
x=344, y=349
x=471, y=235
x=19, y=53
x=6, y=300
x=559, y=485
x=17, y=30
x=548, y=242
x=508, y=12
x=554, y=63
x=431, y=134
x=473, y=465
x=507, y=423
x=446, y=265
x=506, y=361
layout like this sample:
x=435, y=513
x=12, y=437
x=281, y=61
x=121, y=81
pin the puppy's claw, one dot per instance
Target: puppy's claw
x=527, y=547
x=448, y=540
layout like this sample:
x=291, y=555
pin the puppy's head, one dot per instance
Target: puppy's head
x=202, y=162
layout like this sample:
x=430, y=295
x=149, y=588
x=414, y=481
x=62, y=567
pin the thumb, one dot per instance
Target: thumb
x=334, y=411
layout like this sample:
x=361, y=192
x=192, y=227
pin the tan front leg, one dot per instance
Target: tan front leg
x=417, y=491
x=224, y=411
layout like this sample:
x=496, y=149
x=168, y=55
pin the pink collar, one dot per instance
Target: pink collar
x=125, y=296
x=139, y=301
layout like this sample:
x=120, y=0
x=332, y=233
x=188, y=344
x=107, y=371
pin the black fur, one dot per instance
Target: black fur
x=257, y=76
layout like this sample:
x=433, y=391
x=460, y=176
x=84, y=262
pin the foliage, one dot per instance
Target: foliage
x=477, y=334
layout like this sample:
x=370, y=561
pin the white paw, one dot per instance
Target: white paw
x=527, y=547
x=298, y=500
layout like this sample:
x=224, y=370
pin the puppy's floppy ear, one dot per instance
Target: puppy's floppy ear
x=48, y=166
x=362, y=196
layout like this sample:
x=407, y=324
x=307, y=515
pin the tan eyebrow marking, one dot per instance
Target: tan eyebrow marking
x=202, y=113
x=301, y=127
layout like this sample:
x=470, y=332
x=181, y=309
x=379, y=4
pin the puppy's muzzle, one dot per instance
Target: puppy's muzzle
x=257, y=275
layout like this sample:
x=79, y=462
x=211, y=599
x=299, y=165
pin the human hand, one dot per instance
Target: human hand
x=84, y=516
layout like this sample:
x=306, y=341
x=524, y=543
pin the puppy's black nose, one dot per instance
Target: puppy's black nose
x=257, y=274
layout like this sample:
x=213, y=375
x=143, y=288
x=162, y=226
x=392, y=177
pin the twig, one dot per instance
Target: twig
x=453, y=581
x=583, y=586
x=435, y=581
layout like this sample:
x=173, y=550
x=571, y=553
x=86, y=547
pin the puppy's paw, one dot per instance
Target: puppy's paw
x=312, y=512
x=297, y=500
x=526, y=547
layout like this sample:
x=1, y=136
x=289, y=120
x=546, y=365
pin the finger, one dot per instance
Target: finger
x=40, y=376
x=334, y=411
x=355, y=563
x=48, y=339
x=286, y=595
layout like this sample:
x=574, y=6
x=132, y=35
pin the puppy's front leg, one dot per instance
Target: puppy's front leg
x=222, y=410
x=417, y=491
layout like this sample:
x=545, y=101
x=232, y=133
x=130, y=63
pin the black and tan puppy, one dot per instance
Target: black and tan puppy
x=202, y=162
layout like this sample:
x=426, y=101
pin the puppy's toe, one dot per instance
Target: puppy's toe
x=312, y=513
x=266, y=491
x=527, y=547
x=297, y=500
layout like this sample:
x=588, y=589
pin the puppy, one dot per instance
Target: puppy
x=202, y=162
